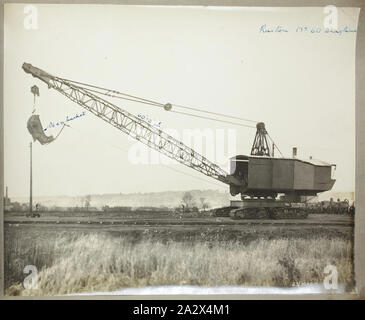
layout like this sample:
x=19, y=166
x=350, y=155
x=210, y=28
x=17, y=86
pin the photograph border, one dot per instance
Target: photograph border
x=359, y=229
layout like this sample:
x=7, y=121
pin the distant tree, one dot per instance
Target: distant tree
x=204, y=204
x=87, y=202
x=187, y=201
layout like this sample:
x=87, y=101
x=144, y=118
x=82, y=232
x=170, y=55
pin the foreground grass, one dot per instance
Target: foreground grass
x=72, y=263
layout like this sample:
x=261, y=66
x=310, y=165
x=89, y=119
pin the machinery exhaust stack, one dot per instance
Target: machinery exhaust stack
x=294, y=152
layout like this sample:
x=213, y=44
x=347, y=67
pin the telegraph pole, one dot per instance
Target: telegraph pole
x=31, y=182
x=35, y=91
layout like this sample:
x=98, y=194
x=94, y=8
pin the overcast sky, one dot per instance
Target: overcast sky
x=302, y=85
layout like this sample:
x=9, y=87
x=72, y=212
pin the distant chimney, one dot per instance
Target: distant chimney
x=294, y=152
x=310, y=158
x=6, y=193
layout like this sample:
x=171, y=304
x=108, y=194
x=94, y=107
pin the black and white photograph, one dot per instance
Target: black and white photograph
x=178, y=150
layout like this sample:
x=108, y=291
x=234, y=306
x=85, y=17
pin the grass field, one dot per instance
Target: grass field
x=75, y=260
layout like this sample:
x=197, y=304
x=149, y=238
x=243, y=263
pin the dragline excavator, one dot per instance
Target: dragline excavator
x=259, y=177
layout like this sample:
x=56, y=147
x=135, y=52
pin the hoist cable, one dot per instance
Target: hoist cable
x=203, y=117
x=275, y=145
x=112, y=92
x=119, y=95
x=64, y=125
x=129, y=97
x=215, y=113
x=183, y=113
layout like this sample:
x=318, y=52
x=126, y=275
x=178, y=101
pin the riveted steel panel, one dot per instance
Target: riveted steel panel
x=260, y=173
x=322, y=179
x=283, y=174
x=303, y=176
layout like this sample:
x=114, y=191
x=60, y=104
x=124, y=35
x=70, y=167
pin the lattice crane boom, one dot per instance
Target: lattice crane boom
x=132, y=125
